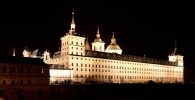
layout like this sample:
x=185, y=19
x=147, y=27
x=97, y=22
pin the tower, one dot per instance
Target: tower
x=113, y=47
x=174, y=57
x=72, y=44
x=98, y=44
x=87, y=46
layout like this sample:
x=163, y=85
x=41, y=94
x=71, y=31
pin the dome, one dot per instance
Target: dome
x=113, y=45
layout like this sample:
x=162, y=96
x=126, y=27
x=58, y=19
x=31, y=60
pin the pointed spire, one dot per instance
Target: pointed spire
x=87, y=46
x=98, y=30
x=113, y=40
x=113, y=35
x=98, y=33
x=14, y=52
x=72, y=26
x=98, y=39
x=175, y=48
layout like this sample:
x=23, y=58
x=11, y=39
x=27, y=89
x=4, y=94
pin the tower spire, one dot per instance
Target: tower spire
x=14, y=52
x=98, y=39
x=87, y=46
x=98, y=30
x=72, y=25
x=175, y=48
x=113, y=40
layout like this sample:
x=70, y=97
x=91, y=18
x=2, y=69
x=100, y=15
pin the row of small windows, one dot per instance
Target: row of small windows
x=121, y=71
x=126, y=68
x=13, y=70
x=126, y=77
x=13, y=82
x=120, y=62
x=71, y=43
x=73, y=48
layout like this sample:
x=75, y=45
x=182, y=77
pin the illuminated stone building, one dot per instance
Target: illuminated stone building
x=97, y=64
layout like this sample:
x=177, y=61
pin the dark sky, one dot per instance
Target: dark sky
x=148, y=28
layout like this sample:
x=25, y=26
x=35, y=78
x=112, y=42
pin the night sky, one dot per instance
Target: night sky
x=140, y=28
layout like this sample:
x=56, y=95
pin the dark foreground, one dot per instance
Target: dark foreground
x=102, y=92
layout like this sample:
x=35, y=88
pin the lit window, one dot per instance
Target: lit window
x=42, y=70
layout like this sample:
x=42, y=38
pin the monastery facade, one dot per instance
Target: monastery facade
x=81, y=63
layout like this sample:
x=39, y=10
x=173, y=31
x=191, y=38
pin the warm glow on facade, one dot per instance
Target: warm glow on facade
x=110, y=65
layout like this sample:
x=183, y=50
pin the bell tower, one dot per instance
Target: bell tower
x=174, y=57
